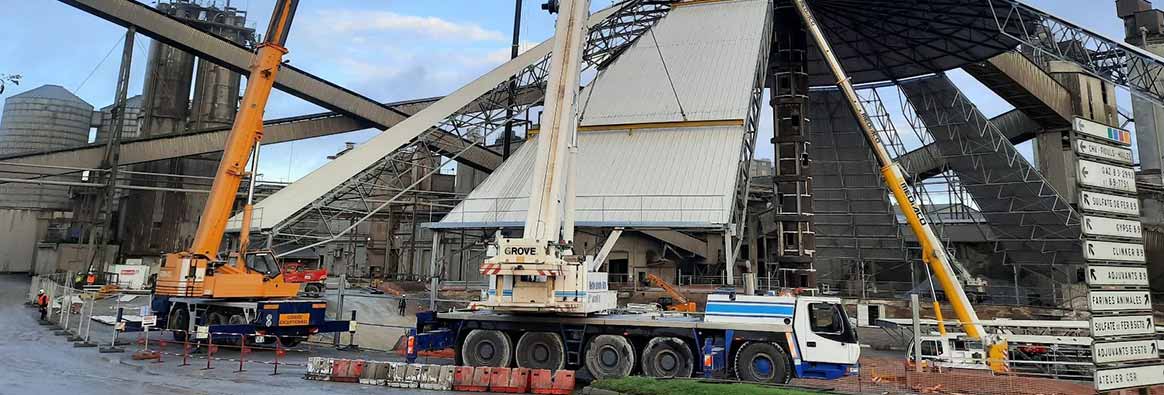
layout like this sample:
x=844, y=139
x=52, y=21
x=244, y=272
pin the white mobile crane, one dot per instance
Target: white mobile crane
x=557, y=306
x=539, y=271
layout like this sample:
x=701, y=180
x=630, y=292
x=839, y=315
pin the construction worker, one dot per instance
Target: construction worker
x=42, y=304
x=91, y=278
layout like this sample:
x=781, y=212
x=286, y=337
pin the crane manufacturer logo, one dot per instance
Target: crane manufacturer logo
x=520, y=251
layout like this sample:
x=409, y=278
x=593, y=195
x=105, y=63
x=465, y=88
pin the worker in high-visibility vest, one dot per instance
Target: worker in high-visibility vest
x=91, y=278
x=42, y=304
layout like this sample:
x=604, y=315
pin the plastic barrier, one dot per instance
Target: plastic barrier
x=514, y=380
x=318, y=368
x=346, y=370
x=368, y=376
x=399, y=375
x=463, y=379
x=412, y=375
x=560, y=382
x=437, y=377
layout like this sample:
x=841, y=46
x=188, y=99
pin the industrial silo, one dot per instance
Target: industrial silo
x=45, y=118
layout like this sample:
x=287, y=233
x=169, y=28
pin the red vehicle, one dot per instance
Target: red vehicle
x=311, y=278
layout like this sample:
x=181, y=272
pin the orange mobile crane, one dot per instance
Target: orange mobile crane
x=678, y=301
x=246, y=293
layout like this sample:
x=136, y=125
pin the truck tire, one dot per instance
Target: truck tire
x=762, y=362
x=313, y=289
x=540, y=350
x=178, y=322
x=667, y=357
x=609, y=356
x=217, y=318
x=290, y=341
x=485, y=347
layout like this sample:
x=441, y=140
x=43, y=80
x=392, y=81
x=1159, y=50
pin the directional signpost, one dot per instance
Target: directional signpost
x=1118, y=326
x=1123, y=346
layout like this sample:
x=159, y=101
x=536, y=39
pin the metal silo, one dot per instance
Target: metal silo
x=48, y=117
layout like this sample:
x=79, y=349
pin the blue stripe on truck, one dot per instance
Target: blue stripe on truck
x=750, y=309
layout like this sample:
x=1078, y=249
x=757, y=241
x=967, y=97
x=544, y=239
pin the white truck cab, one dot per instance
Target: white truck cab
x=820, y=339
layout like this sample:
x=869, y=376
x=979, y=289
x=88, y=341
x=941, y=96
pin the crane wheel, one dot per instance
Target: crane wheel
x=667, y=357
x=762, y=362
x=290, y=341
x=178, y=322
x=237, y=319
x=609, y=356
x=484, y=347
x=540, y=350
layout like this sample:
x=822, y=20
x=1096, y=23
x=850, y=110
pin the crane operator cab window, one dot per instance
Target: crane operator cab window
x=830, y=322
x=264, y=264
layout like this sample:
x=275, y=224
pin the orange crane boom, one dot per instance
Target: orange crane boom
x=196, y=272
x=681, y=302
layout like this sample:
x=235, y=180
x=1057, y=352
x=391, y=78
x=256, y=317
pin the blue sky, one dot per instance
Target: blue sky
x=385, y=49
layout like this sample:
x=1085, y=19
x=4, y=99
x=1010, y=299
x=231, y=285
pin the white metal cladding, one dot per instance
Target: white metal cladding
x=286, y=202
x=682, y=177
x=710, y=52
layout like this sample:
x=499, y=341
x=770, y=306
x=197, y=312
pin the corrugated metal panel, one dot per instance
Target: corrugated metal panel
x=682, y=177
x=286, y=202
x=710, y=51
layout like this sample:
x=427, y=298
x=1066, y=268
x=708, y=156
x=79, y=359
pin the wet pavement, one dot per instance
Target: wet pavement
x=34, y=360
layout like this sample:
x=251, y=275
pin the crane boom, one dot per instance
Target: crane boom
x=933, y=252
x=543, y=221
x=539, y=271
x=186, y=273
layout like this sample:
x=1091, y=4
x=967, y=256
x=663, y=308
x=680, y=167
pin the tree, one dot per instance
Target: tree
x=6, y=79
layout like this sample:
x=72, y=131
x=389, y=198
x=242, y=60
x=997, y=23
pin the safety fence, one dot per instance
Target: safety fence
x=893, y=376
x=441, y=377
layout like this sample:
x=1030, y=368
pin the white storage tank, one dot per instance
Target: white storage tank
x=45, y=118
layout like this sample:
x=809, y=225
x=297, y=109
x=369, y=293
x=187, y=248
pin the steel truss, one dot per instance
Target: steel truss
x=1032, y=224
x=1119, y=63
x=739, y=214
x=340, y=211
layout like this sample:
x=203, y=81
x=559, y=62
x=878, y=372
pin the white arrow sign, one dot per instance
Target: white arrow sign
x=1114, y=204
x=1139, y=376
x=1104, y=132
x=1134, y=350
x=1103, y=151
x=1098, y=276
x=1099, y=175
x=1112, y=251
x=1130, y=325
x=1119, y=300
x=1103, y=226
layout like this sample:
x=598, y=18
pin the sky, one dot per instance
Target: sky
x=385, y=49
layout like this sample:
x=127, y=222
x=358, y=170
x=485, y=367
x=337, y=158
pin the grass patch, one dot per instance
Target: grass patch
x=650, y=386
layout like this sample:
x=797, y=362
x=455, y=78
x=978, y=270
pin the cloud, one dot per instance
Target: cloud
x=346, y=21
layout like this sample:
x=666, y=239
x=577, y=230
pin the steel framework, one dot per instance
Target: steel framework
x=363, y=197
x=1122, y=64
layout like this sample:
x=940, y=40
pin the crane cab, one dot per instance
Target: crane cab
x=822, y=342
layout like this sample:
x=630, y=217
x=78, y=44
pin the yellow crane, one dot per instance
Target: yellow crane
x=933, y=252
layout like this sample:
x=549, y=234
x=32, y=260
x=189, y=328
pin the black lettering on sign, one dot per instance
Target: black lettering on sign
x=520, y=251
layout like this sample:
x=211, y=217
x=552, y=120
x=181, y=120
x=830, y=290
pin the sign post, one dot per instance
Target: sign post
x=1123, y=331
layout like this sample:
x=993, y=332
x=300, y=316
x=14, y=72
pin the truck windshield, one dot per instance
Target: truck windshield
x=829, y=321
